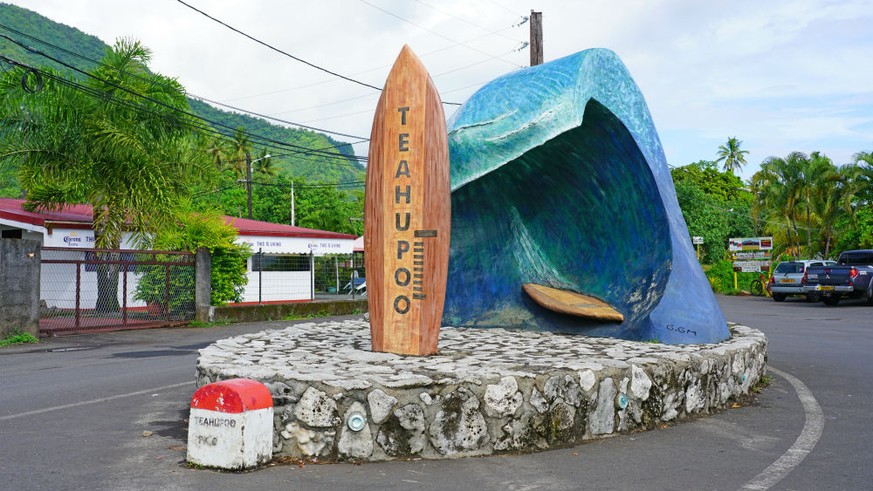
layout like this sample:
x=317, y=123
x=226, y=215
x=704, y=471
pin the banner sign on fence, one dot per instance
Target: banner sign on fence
x=298, y=245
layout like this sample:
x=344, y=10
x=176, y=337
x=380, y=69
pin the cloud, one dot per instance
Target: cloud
x=781, y=75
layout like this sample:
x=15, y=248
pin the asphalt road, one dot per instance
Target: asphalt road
x=74, y=412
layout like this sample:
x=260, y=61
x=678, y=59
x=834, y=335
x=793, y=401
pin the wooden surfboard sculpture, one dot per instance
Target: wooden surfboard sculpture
x=407, y=212
x=572, y=303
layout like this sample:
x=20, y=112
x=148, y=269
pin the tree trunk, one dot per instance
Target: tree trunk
x=107, y=274
x=107, y=283
x=808, y=230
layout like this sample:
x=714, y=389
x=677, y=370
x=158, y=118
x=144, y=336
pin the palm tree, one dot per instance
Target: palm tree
x=839, y=189
x=863, y=162
x=777, y=190
x=734, y=158
x=264, y=164
x=130, y=158
x=238, y=147
x=812, y=176
x=217, y=148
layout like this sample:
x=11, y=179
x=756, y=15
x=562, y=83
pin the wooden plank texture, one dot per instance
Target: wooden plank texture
x=407, y=212
x=572, y=303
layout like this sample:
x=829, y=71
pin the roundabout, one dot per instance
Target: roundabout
x=486, y=391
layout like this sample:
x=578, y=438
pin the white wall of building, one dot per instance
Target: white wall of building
x=58, y=281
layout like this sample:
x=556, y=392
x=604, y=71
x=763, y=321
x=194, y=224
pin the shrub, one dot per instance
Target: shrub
x=721, y=278
x=198, y=230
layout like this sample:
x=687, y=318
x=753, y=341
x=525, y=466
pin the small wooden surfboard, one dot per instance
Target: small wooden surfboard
x=407, y=212
x=572, y=303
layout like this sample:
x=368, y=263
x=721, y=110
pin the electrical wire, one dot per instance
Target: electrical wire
x=304, y=150
x=449, y=14
x=129, y=104
x=262, y=43
x=193, y=96
x=289, y=55
x=383, y=67
x=274, y=118
x=365, y=2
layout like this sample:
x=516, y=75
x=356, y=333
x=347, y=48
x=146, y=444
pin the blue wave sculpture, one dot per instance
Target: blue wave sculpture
x=559, y=179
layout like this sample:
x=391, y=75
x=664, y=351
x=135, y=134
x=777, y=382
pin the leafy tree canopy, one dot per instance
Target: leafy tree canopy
x=715, y=206
x=129, y=157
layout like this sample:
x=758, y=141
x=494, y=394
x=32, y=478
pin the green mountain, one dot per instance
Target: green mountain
x=31, y=28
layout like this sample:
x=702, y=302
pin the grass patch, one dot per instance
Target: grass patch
x=215, y=323
x=311, y=315
x=762, y=384
x=18, y=337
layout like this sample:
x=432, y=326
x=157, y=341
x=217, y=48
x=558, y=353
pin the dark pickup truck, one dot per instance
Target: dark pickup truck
x=851, y=277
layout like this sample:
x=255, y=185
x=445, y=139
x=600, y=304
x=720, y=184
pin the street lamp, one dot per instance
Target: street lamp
x=249, y=163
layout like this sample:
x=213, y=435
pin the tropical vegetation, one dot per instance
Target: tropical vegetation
x=93, y=124
x=125, y=140
x=810, y=206
x=732, y=155
x=327, y=178
x=194, y=231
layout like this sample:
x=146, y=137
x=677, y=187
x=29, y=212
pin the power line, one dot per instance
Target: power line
x=289, y=55
x=194, y=96
x=340, y=184
x=325, y=81
x=304, y=150
x=353, y=184
x=140, y=108
x=273, y=118
x=262, y=43
x=449, y=14
x=436, y=33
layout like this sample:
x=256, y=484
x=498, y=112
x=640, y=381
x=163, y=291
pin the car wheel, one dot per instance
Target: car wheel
x=832, y=300
x=813, y=297
x=779, y=297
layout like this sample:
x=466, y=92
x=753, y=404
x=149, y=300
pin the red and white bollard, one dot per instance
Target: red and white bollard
x=231, y=425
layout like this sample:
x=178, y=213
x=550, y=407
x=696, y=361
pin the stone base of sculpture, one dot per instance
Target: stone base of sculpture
x=487, y=391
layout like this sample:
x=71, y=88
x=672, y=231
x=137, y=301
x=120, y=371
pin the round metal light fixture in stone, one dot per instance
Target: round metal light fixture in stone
x=356, y=422
x=621, y=401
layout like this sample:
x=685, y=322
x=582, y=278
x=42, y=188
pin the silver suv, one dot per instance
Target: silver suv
x=788, y=279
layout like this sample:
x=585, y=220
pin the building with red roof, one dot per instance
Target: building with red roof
x=280, y=269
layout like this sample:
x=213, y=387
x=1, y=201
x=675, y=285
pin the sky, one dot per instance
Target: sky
x=779, y=75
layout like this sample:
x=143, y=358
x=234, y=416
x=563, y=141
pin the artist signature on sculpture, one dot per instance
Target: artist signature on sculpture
x=681, y=330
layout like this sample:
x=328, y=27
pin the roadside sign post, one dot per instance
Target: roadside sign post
x=697, y=240
x=750, y=254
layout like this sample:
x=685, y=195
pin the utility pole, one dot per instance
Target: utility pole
x=536, y=38
x=249, y=182
x=292, y=203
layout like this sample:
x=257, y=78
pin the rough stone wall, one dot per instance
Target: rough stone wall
x=486, y=392
x=19, y=282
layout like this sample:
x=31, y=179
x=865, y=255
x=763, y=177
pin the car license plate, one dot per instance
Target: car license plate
x=786, y=280
x=825, y=288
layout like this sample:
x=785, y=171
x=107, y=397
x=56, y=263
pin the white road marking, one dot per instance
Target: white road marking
x=94, y=401
x=804, y=444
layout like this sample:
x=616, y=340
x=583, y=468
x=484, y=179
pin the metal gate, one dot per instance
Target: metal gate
x=103, y=289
